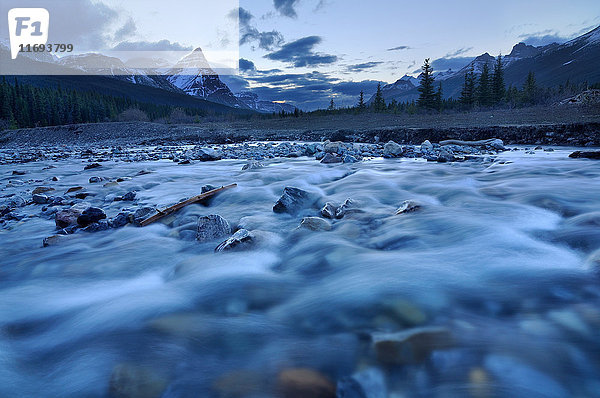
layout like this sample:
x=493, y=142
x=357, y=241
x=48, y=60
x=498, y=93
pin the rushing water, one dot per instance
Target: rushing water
x=497, y=255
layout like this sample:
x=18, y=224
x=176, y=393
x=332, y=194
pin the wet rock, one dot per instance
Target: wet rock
x=40, y=190
x=328, y=211
x=40, y=199
x=16, y=201
x=92, y=166
x=90, y=215
x=82, y=195
x=128, y=197
x=18, y=173
x=330, y=158
x=73, y=189
x=293, y=200
x=369, y=383
x=141, y=214
x=207, y=188
x=55, y=240
x=212, y=227
x=348, y=206
x=426, y=146
x=585, y=155
x=304, y=383
x=253, y=165
x=333, y=147
x=496, y=144
x=68, y=217
x=111, y=184
x=120, y=220
x=54, y=179
x=101, y=225
x=131, y=381
x=410, y=346
x=445, y=155
x=319, y=155
x=208, y=154
x=392, y=150
x=408, y=206
x=315, y=224
x=239, y=240
x=350, y=159
x=95, y=180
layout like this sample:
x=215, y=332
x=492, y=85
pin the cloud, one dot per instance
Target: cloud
x=300, y=53
x=246, y=65
x=286, y=7
x=362, y=67
x=399, y=48
x=458, y=52
x=456, y=63
x=162, y=45
x=125, y=31
x=249, y=34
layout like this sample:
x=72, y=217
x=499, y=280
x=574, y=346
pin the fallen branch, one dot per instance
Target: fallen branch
x=468, y=143
x=180, y=205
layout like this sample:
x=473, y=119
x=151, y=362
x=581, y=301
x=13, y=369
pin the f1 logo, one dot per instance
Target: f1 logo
x=27, y=26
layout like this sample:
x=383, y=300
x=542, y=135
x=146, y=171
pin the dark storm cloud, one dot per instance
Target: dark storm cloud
x=399, y=48
x=249, y=34
x=246, y=65
x=286, y=7
x=300, y=53
x=162, y=45
x=362, y=67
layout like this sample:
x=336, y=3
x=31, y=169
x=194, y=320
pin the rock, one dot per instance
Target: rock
x=92, y=166
x=54, y=178
x=95, y=180
x=16, y=201
x=55, y=240
x=39, y=190
x=408, y=206
x=239, y=240
x=426, y=146
x=369, y=383
x=496, y=144
x=68, y=217
x=121, y=220
x=208, y=188
x=253, y=165
x=410, y=346
x=304, y=383
x=350, y=159
x=40, y=199
x=128, y=197
x=101, y=225
x=330, y=158
x=208, y=154
x=212, y=227
x=346, y=207
x=90, y=215
x=293, y=200
x=131, y=381
x=445, y=155
x=82, y=195
x=111, y=184
x=319, y=155
x=315, y=224
x=141, y=214
x=333, y=147
x=328, y=211
x=392, y=150
x=585, y=155
x=18, y=173
x=73, y=189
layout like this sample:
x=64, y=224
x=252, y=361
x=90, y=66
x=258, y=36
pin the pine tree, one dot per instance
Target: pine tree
x=331, y=105
x=379, y=101
x=484, y=93
x=530, y=89
x=467, y=96
x=498, y=87
x=361, y=101
x=427, y=94
x=439, y=98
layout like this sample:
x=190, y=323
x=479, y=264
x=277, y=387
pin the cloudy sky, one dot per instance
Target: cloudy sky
x=308, y=51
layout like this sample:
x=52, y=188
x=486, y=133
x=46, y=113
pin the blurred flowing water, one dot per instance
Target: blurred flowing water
x=497, y=255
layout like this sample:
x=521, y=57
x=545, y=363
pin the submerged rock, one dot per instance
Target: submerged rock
x=408, y=206
x=293, y=200
x=212, y=227
x=346, y=207
x=141, y=214
x=90, y=215
x=40, y=199
x=92, y=166
x=585, y=155
x=128, y=197
x=410, y=346
x=131, y=381
x=304, y=383
x=328, y=211
x=253, y=165
x=239, y=240
x=95, y=180
x=315, y=224
x=392, y=150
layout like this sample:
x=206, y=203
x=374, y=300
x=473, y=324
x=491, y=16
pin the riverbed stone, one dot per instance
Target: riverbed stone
x=92, y=166
x=141, y=214
x=133, y=381
x=252, y=165
x=408, y=206
x=239, y=240
x=315, y=224
x=392, y=150
x=294, y=199
x=68, y=217
x=368, y=383
x=90, y=215
x=40, y=199
x=304, y=383
x=328, y=211
x=410, y=346
x=95, y=180
x=40, y=190
x=212, y=227
x=208, y=154
x=585, y=155
x=330, y=158
x=348, y=206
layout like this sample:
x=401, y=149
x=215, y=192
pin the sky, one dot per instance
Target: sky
x=306, y=52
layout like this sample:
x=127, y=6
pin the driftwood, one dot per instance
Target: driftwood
x=180, y=205
x=467, y=143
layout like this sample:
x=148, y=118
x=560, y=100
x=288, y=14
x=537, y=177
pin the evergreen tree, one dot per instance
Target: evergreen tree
x=498, y=87
x=427, y=93
x=530, y=89
x=361, y=100
x=331, y=105
x=484, y=92
x=439, y=98
x=467, y=96
x=379, y=101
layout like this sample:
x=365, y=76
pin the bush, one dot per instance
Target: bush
x=133, y=115
x=179, y=116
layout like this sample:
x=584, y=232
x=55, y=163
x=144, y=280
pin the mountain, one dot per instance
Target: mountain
x=252, y=101
x=397, y=89
x=554, y=64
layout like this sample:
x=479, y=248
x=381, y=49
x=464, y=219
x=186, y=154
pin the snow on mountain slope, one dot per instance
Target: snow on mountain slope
x=252, y=101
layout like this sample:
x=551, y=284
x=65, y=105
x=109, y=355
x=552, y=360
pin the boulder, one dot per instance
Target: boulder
x=333, y=147
x=40, y=190
x=328, y=211
x=315, y=224
x=350, y=159
x=208, y=154
x=68, y=217
x=330, y=158
x=293, y=200
x=392, y=150
x=496, y=144
x=239, y=240
x=410, y=346
x=90, y=215
x=585, y=155
x=40, y=199
x=303, y=383
x=212, y=227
